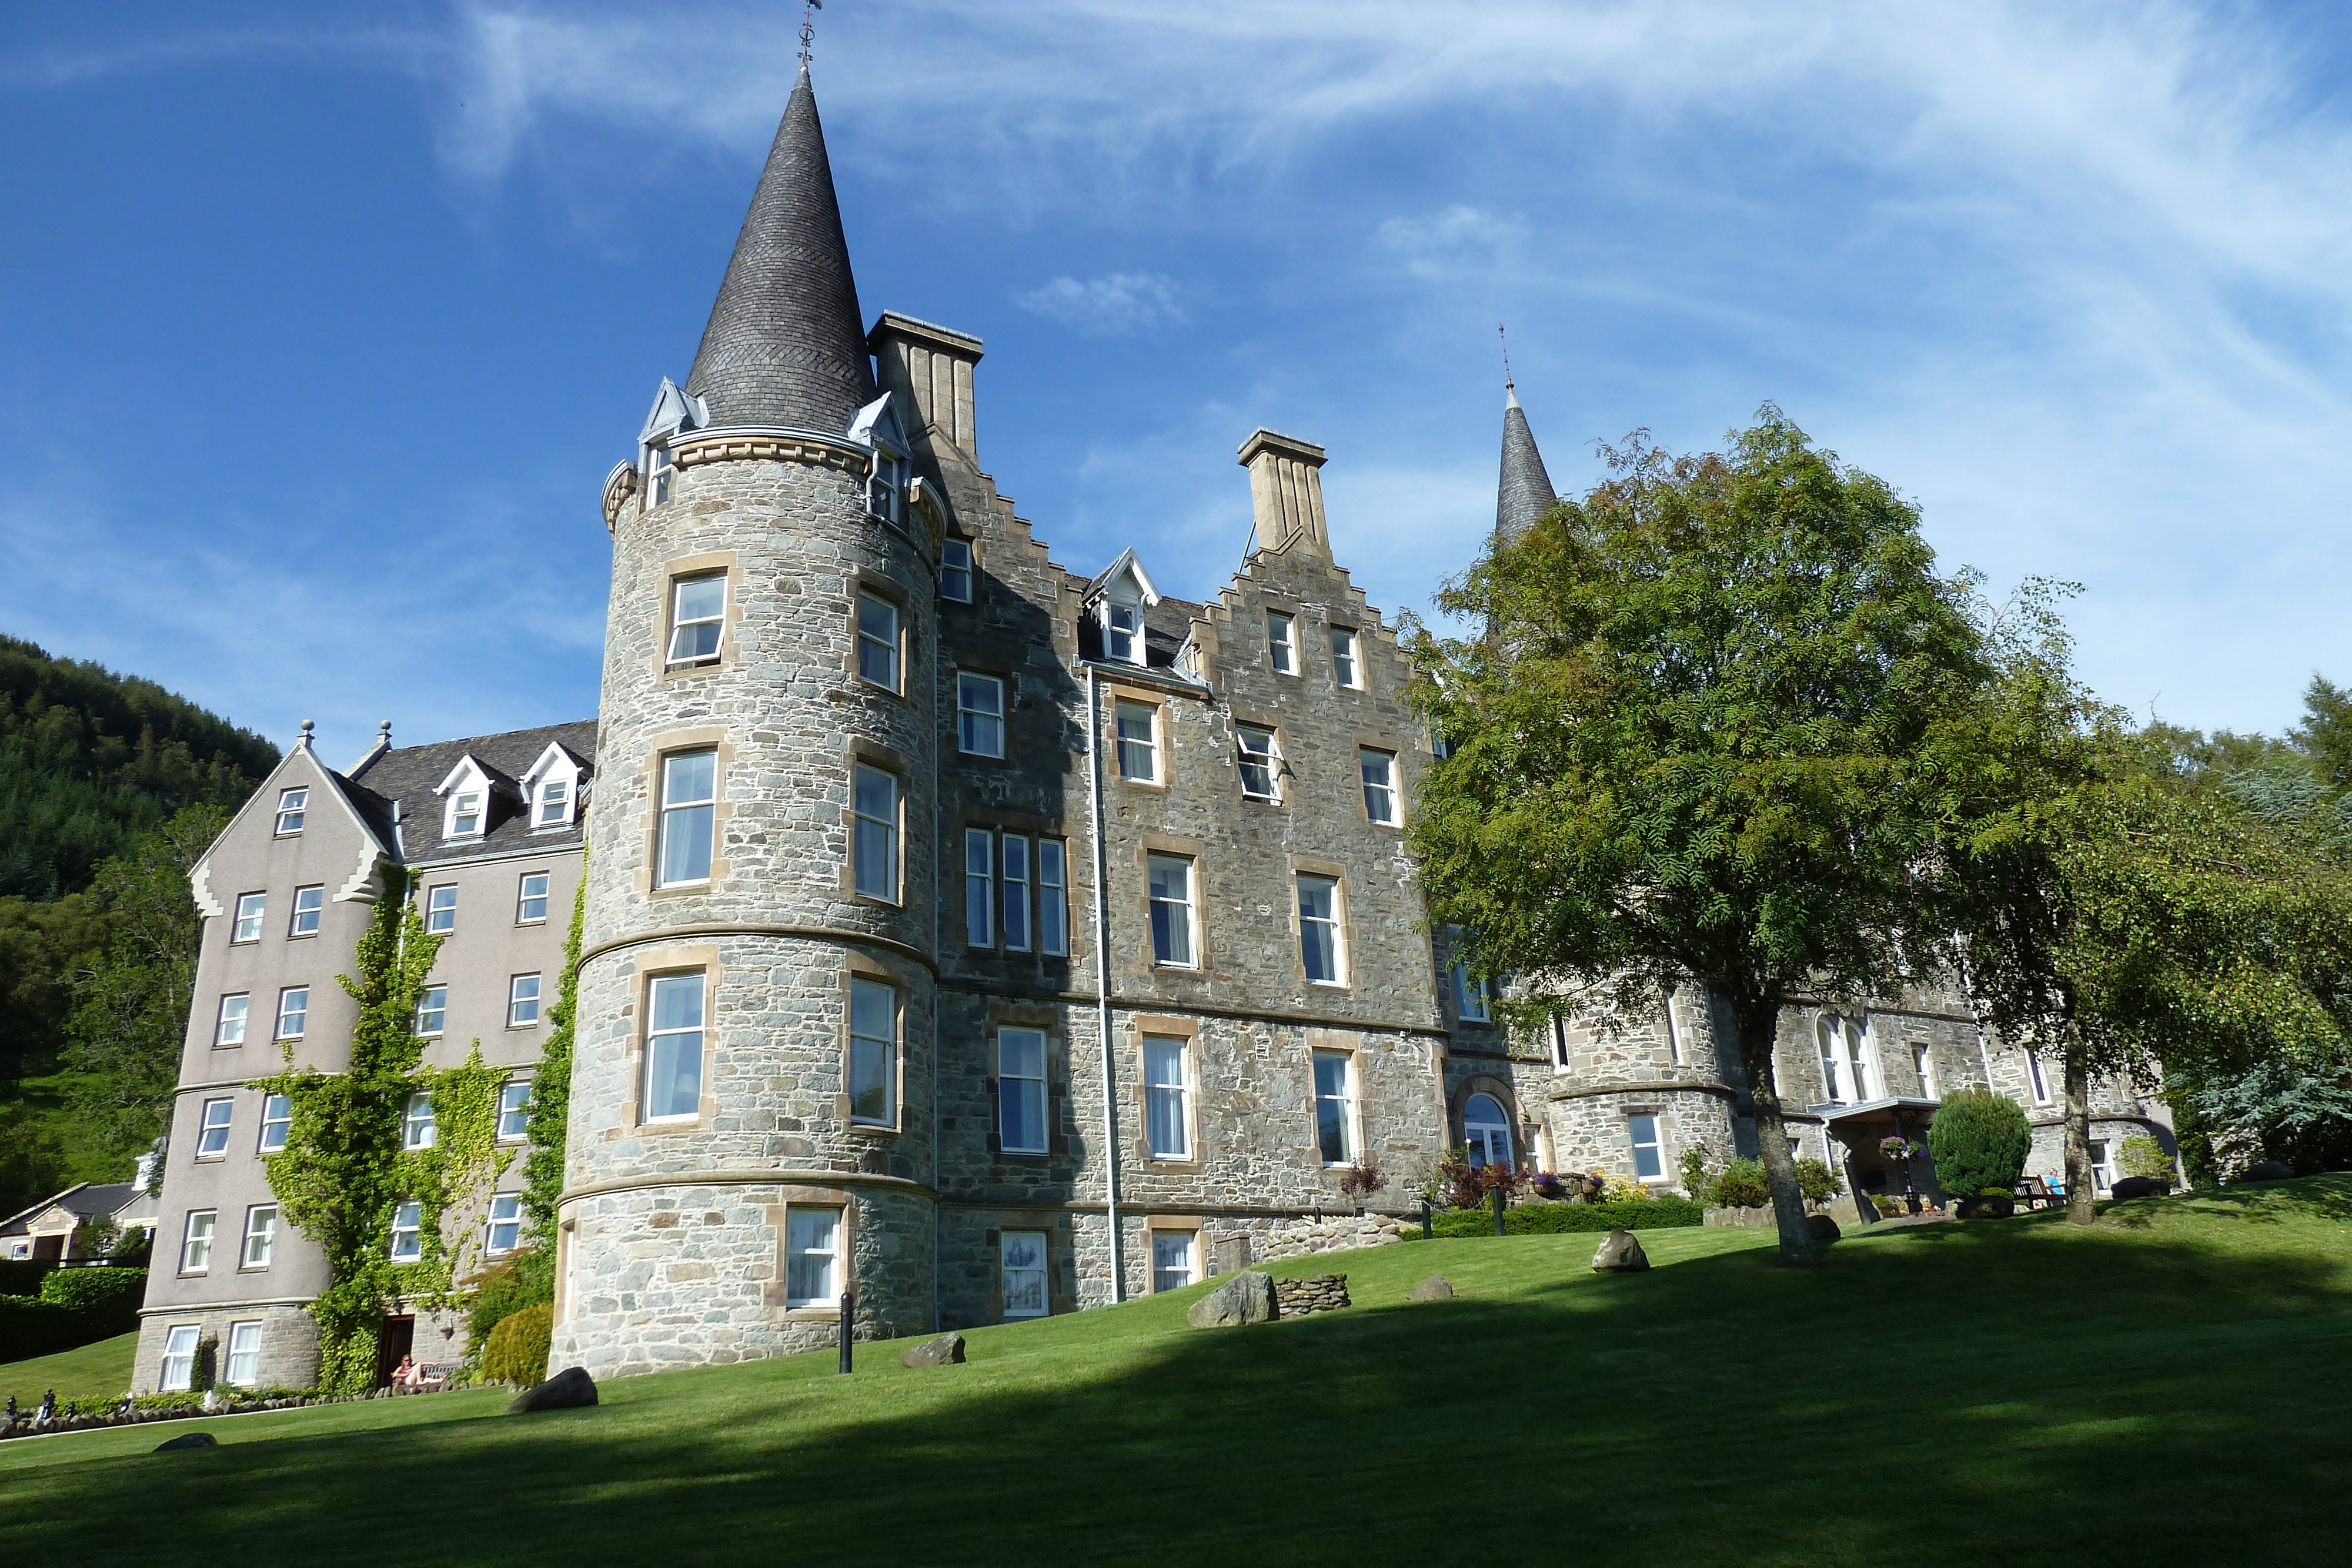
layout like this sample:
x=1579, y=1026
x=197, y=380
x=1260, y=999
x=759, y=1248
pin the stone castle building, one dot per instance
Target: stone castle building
x=977, y=937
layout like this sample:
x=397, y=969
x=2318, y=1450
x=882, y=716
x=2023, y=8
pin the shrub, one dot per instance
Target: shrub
x=1616, y=1188
x=1979, y=1141
x=1362, y=1179
x=518, y=1348
x=30, y=1327
x=22, y=1276
x=519, y=1279
x=108, y=1290
x=1817, y=1181
x=1570, y=1218
x=2144, y=1157
x=1742, y=1184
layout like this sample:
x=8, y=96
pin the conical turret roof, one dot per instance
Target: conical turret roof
x=1524, y=492
x=786, y=343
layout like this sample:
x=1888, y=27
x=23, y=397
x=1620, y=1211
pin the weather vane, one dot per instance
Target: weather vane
x=1506, y=353
x=808, y=28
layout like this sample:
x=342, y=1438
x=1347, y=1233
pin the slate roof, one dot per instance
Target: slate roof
x=786, y=342
x=410, y=774
x=86, y=1200
x=1524, y=492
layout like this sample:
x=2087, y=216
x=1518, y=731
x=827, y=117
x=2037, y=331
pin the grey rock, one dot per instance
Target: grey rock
x=2142, y=1186
x=1244, y=1299
x=1436, y=1287
x=1822, y=1227
x=1618, y=1254
x=945, y=1351
x=571, y=1389
x=189, y=1440
x=2270, y=1170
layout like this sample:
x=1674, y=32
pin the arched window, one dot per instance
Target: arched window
x=1848, y=1069
x=1487, y=1130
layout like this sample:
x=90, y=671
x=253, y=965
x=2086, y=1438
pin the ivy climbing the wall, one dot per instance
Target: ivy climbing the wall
x=550, y=1087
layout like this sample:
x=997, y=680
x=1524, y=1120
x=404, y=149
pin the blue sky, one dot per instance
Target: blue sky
x=325, y=323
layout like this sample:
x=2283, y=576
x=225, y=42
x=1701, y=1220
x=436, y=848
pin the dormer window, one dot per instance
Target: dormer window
x=554, y=803
x=466, y=815
x=552, y=789
x=658, y=473
x=466, y=801
x=887, y=489
x=1123, y=631
x=1118, y=601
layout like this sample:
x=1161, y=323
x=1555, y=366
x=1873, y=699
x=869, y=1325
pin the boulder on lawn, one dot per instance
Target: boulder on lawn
x=189, y=1440
x=1822, y=1227
x=1436, y=1287
x=1246, y=1298
x=569, y=1389
x=2270, y=1170
x=945, y=1351
x=2142, y=1186
x=1618, y=1254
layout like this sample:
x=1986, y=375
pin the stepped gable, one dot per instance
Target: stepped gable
x=785, y=344
x=409, y=775
x=1524, y=492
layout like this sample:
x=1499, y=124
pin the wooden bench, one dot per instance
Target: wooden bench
x=431, y=1377
x=2035, y=1193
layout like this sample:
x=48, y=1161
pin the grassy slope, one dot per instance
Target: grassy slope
x=89, y=1373
x=2011, y=1392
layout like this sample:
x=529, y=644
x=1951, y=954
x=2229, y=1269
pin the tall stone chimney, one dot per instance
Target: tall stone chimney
x=1286, y=492
x=930, y=367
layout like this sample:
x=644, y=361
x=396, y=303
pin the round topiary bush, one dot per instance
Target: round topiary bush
x=516, y=1353
x=1978, y=1142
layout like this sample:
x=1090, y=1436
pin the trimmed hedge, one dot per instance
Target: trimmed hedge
x=76, y=1307
x=1568, y=1218
x=97, y=1291
x=22, y=1276
x=30, y=1327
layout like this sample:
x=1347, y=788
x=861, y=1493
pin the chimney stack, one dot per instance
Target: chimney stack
x=1286, y=492
x=929, y=366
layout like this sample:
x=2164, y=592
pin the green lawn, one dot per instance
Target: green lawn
x=2171, y=1385
x=89, y=1373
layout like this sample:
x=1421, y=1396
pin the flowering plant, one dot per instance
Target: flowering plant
x=1898, y=1148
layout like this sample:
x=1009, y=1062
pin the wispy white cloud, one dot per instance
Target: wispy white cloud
x=1107, y=306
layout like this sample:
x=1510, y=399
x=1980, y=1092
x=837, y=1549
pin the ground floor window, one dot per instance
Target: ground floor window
x=1171, y=1260
x=179, y=1358
x=1649, y=1151
x=1023, y=1256
x=1487, y=1130
x=244, y=1364
x=811, y=1257
x=2103, y=1170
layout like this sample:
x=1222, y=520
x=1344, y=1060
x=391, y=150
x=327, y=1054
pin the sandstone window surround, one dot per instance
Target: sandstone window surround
x=242, y=1364
x=813, y=1255
x=687, y=830
x=522, y=1001
x=701, y=615
x=309, y=902
x=880, y=642
x=417, y=1128
x=795, y=1295
x=530, y=898
x=1175, y=1259
x=432, y=1010
x=1022, y=1101
x=1168, y=1097
x=228, y=1027
x=1281, y=642
x=1487, y=1131
x=676, y=1007
x=1169, y=892
x=179, y=1369
x=1023, y=1279
x=1347, y=667
x=1923, y=1064
x=875, y=806
x=1849, y=1065
x=293, y=809
x=408, y=1231
x=260, y=1236
x=276, y=1116
x=1378, y=768
x=196, y=1241
x=293, y=1012
x=211, y=1128
x=1258, y=750
x=980, y=714
x=441, y=909
x=250, y=907
x=1335, y=1106
x=871, y=1061
x=502, y=1228
x=956, y=571
x=1320, y=903
x=1136, y=723
x=514, y=1111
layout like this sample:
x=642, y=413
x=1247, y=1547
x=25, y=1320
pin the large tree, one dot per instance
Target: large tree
x=1690, y=745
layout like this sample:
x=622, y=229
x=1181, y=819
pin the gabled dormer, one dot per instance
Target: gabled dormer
x=674, y=413
x=877, y=425
x=552, y=789
x=471, y=797
x=1115, y=601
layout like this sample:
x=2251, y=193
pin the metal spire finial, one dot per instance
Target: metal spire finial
x=808, y=28
x=1507, y=355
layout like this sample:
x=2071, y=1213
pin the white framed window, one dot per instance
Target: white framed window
x=1139, y=741
x=1015, y=860
x=196, y=1241
x=659, y=473
x=1379, y=768
x=873, y=1052
x=514, y=1110
x=260, y=1235
x=432, y=1010
x=1846, y=1064
x=1168, y=1097
x=212, y=1134
x=250, y=909
x=228, y=1028
x=1335, y=1106
x=407, y=1230
x=1344, y=672
x=1053, y=900
x=466, y=814
x=293, y=1012
x=1021, y=1273
x=1319, y=946
x=308, y=903
x=1123, y=631
x=276, y=1117
x=1923, y=1063
x=877, y=642
x=1469, y=990
x=955, y=570
x=503, y=1232
x=1281, y=647
x=293, y=809
x=242, y=1366
x=441, y=909
x=874, y=824
x=522, y=1001
x=1021, y=1091
x=2040, y=1080
x=673, y=1048
x=698, y=615
x=530, y=898
x=689, y=817
x=887, y=493
x=1173, y=1261
x=1172, y=911
x=1649, y=1149
x=179, y=1359
x=2103, y=1167
x=811, y=1257
x=554, y=803
x=979, y=714
x=979, y=887
x=1674, y=1031
x=417, y=1128
x=1487, y=1129
x=1261, y=762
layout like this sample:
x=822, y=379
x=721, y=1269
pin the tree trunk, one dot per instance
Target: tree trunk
x=2079, y=1185
x=1758, y=1028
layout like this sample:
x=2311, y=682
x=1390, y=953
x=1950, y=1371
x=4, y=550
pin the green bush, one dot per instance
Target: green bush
x=22, y=1276
x=1817, y=1181
x=518, y=1348
x=1979, y=1141
x=1565, y=1218
x=76, y=1307
x=2144, y=1157
x=30, y=1327
x=521, y=1278
x=1742, y=1184
x=113, y=1291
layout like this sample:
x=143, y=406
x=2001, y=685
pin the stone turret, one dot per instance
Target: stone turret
x=750, y=1115
x=1524, y=492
